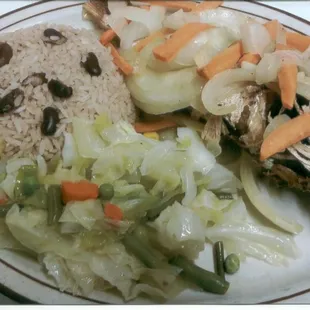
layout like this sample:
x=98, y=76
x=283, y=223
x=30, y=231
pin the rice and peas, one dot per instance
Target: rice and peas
x=20, y=131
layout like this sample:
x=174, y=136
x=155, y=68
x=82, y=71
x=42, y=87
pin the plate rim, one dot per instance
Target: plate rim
x=15, y=296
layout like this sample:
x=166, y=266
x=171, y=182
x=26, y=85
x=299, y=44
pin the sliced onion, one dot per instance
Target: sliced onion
x=303, y=85
x=186, y=55
x=132, y=32
x=179, y=18
x=261, y=201
x=305, y=67
x=255, y=38
x=248, y=66
x=281, y=35
x=221, y=17
x=223, y=85
x=146, y=58
x=151, y=19
x=275, y=123
x=218, y=39
x=267, y=69
x=290, y=56
x=159, y=93
x=117, y=23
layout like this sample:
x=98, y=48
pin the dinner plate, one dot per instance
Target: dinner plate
x=257, y=282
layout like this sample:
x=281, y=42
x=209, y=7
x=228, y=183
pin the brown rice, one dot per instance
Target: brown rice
x=20, y=131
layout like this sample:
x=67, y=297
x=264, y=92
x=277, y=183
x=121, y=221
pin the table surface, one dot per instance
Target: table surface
x=299, y=8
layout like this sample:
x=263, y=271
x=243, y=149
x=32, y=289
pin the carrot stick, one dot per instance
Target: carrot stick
x=107, y=37
x=272, y=27
x=119, y=61
x=158, y=34
x=113, y=212
x=298, y=41
x=183, y=5
x=154, y=126
x=78, y=191
x=291, y=132
x=287, y=77
x=207, y=5
x=223, y=61
x=251, y=58
x=283, y=47
x=168, y=50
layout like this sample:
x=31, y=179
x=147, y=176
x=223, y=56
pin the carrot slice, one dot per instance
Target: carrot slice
x=183, y=5
x=283, y=47
x=286, y=135
x=119, y=61
x=113, y=212
x=225, y=60
x=158, y=34
x=107, y=36
x=251, y=58
x=272, y=27
x=287, y=77
x=207, y=5
x=298, y=41
x=78, y=191
x=154, y=126
x=168, y=50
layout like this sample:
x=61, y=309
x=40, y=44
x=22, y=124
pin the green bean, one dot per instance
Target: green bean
x=54, y=204
x=208, y=281
x=106, y=191
x=232, y=263
x=218, y=252
x=142, y=251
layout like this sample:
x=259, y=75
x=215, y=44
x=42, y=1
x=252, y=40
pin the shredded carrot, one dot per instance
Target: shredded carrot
x=154, y=126
x=287, y=77
x=225, y=60
x=107, y=36
x=298, y=41
x=283, y=47
x=286, y=135
x=113, y=212
x=207, y=5
x=251, y=58
x=158, y=34
x=78, y=191
x=168, y=50
x=273, y=27
x=183, y=5
x=119, y=61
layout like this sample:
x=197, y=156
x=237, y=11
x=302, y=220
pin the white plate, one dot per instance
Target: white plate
x=256, y=282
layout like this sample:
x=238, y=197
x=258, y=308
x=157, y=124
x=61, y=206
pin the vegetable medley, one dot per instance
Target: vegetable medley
x=132, y=211
x=215, y=52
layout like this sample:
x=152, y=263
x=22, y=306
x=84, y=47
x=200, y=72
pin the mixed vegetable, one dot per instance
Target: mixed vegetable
x=131, y=207
x=180, y=54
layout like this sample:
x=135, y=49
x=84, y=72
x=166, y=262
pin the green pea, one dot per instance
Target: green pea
x=106, y=191
x=30, y=185
x=232, y=263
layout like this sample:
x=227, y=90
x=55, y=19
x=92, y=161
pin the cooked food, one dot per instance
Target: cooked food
x=114, y=165
x=51, y=73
